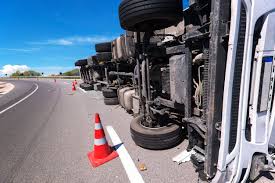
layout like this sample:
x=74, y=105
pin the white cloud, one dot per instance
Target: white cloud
x=9, y=69
x=62, y=42
x=20, y=49
x=75, y=40
x=59, y=42
x=91, y=40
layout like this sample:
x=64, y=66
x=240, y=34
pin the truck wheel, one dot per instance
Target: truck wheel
x=104, y=56
x=103, y=47
x=87, y=87
x=111, y=101
x=82, y=85
x=82, y=62
x=149, y=15
x=109, y=93
x=155, y=138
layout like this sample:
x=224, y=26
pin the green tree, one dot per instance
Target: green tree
x=26, y=73
x=34, y=73
x=16, y=74
x=31, y=73
x=74, y=72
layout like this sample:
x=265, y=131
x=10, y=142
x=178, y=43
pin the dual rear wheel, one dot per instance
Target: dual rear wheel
x=147, y=16
x=157, y=138
x=110, y=96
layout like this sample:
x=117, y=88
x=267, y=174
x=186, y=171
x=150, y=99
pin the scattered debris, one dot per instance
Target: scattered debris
x=142, y=167
x=183, y=157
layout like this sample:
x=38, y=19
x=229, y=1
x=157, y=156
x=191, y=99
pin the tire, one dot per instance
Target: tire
x=104, y=56
x=149, y=15
x=81, y=85
x=94, y=58
x=155, y=138
x=111, y=101
x=86, y=87
x=109, y=93
x=81, y=62
x=90, y=61
x=103, y=47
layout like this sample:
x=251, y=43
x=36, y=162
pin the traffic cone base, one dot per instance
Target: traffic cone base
x=102, y=152
x=97, y=162
x=73, y=87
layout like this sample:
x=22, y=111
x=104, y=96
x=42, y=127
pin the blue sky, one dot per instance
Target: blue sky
x=50, y=35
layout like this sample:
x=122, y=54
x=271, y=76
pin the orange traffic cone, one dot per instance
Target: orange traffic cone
x=102, y=151
x=73, y=87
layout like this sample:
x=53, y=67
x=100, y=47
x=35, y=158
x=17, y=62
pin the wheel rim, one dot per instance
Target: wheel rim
x=156, y=127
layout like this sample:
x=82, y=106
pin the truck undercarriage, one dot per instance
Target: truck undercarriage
x=182, y=79
x=205, y=74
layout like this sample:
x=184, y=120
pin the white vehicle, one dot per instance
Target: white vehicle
x=255, y=125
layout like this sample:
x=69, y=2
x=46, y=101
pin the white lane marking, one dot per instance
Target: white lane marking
x=126, y=160
x=82, y=89
x=20, y=100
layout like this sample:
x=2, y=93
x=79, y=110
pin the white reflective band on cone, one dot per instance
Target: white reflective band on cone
x=98, y=126
x=100, y=142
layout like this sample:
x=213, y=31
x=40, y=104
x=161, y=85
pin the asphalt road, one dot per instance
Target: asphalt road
x=46, y=138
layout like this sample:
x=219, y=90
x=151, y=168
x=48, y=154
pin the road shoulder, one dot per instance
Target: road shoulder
x=21, y=89
x=5, y=88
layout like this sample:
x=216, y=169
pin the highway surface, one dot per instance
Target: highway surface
x=46, y=134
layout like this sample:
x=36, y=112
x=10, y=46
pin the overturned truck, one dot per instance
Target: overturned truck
x=205, y=73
